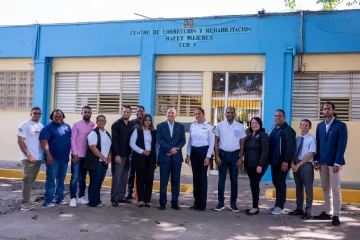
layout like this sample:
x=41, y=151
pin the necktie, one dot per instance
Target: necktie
x=299, y=149
x=171, y=129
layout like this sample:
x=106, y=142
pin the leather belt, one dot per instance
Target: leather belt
x=229, y=153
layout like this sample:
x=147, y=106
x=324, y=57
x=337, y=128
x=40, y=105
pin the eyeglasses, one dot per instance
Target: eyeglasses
x=101, y=120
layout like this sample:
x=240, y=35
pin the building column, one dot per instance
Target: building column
x=148, y=82
x=279, y=72
x=42, y=85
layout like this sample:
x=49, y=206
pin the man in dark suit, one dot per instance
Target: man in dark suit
x=331, y=138
x=171, y=138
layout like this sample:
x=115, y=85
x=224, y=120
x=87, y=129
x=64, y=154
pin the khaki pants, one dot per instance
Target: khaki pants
x=31, y=171
x=330, y=183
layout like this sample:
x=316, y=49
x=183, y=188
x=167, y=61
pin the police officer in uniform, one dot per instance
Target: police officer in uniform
x=200, y=147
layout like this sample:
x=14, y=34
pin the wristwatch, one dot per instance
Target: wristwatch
x=242, y=158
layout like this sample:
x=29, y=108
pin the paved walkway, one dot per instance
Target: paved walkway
x=130, y=222
x=184, y=179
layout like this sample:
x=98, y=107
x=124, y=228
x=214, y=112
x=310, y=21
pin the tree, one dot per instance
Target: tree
x=328, y=5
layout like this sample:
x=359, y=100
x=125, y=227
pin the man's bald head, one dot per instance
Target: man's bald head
x=171, y=115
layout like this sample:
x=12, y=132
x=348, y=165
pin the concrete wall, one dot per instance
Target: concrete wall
x=10, y=120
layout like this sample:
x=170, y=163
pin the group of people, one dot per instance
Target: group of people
x=135, y=148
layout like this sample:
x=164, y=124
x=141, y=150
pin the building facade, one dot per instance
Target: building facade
x=256, y=63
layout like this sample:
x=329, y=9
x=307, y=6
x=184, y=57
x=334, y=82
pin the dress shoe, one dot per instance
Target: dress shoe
x=129, y=197
x=147, y=205
x=193, y=207
x=125, y=201
x=335, y=221
x=306, y=216
x=162, y=207
x=247, y=210
x=297, y=212
x=323, y=216
x=176, y=207
x=253, y=213
x=114, y=203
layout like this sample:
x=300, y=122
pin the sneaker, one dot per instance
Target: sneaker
x=73, y=202
x=49, y=205
x=219, y=207
x=83, y=200
x=270, y=209
x=214, y=172
x=27, y=206
x=277, y=211
x=234, y=208
x=62, y=202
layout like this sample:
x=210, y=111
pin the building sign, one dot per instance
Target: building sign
x=189, y=36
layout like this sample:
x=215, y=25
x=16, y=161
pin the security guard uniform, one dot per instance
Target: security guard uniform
x=200, y=146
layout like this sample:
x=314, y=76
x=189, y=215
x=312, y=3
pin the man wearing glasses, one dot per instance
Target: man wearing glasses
x=30, y=154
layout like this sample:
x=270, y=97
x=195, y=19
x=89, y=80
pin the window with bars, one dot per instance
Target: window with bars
x=311, y=90
x=179, y=90
x=104, y=92
x=16, y=90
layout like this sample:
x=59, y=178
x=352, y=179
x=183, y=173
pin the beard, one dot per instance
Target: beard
x=86, y=118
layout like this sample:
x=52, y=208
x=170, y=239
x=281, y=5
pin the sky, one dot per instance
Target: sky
x=23, y=12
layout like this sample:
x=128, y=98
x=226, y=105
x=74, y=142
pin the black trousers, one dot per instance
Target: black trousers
x=97, y=177
x=197, y=157
x=131, y=179
x=279, y=181
x=255, y=179
x=144, y=183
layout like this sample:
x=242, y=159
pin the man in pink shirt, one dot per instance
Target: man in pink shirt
x=79, y=133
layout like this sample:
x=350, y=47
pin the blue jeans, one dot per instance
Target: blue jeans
x=55, y=171
x=228, y=161
x=78, y=175
x=96, y=179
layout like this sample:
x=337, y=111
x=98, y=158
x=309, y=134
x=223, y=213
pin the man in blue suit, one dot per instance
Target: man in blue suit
x=171, y=138
x=331, y=137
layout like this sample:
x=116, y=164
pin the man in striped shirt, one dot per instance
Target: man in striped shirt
x=80, y=131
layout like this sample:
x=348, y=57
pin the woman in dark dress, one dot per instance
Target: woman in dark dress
x=143, y=142
x=256, y=153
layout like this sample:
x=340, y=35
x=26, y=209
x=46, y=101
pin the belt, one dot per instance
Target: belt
x=227, y=152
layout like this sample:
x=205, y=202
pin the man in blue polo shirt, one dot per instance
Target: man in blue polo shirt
x=56, y=141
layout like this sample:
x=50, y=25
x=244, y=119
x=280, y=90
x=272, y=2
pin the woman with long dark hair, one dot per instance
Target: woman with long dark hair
x=256, y=163
x=97, y=159
x=143, y=142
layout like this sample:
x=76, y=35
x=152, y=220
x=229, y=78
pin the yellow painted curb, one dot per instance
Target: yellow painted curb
x=18, y=174
x=349, y=196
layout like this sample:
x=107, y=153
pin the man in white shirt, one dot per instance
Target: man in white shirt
x=229, y=151
x=30, y=154
x=302, y=167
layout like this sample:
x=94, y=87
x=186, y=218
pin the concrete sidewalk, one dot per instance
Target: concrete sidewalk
x=186, y=179
x=130, y=222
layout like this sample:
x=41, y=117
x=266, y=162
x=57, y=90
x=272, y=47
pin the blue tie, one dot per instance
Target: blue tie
x=299, y=149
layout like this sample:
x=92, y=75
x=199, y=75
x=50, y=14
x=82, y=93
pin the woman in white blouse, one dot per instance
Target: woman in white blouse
x=97, y=159
x=143, y=142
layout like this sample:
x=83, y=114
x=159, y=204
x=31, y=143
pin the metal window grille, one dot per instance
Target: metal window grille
x=104, y=92
x=16, y=90
x=311, y=90
x=179, y=90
